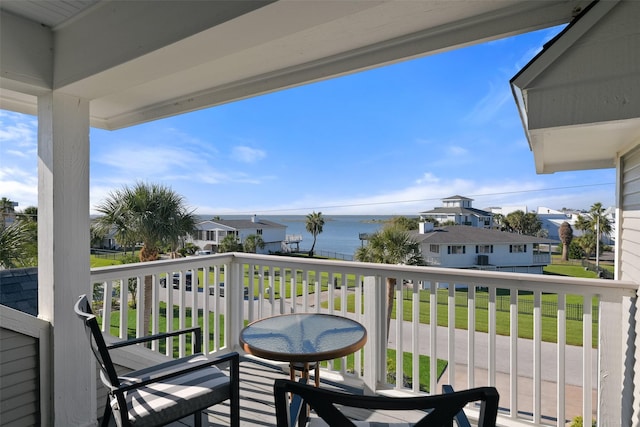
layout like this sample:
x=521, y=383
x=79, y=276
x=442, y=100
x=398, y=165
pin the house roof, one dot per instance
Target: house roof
x=463, y=234
x=243, y=224
x=19, y=289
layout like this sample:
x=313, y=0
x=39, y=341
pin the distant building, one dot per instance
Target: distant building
x=462, y=246
x=459, y=210
x=210, y=234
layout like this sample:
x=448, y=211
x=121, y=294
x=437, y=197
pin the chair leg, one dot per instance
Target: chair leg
x=106, y=416
x=197, y=419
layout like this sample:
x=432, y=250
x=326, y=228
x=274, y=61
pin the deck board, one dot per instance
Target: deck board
x=257, y=408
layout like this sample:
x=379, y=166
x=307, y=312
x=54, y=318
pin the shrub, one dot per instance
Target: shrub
x=578, y=422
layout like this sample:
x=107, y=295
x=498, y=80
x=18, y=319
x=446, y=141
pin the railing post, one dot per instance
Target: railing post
x=234, y=301
x=375, y=352
x=611, y=345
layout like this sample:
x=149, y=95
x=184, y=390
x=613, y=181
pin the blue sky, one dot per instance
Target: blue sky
x=393, y=140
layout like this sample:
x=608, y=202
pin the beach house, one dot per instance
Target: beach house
x=115, y=64
x=459, y=210
x=210, y=234
x=463, y=246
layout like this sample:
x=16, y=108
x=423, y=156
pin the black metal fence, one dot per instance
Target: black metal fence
x=503, y=304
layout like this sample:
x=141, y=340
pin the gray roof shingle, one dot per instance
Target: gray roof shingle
x=19, y=289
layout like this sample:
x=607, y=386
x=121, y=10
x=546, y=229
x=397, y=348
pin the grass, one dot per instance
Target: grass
x=391, y=354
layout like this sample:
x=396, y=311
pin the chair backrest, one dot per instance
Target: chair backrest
x=96, y=342
x=441, y=409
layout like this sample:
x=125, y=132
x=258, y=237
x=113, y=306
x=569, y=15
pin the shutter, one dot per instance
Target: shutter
x=510, y=248
x=464, y=249
x=525, y=248
x=491, y=248
x=449, y=250
x=476, y=248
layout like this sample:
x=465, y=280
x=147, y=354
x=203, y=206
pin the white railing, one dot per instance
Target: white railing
x=537, y=379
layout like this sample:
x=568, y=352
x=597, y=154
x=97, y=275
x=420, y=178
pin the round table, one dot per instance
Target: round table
x=303, y=338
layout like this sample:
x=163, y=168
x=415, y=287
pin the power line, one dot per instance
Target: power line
x=422, y=200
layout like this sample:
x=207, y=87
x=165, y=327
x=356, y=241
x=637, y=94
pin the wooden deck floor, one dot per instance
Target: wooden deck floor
x=257, y=407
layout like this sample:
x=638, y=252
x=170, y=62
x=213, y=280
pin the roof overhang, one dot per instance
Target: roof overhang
x=144, y=60
x=579, y=99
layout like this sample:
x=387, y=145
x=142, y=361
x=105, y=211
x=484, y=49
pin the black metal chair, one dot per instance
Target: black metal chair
x=293, y=399
x=165, y=392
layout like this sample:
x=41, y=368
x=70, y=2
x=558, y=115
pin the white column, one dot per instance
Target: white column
x=63, y=253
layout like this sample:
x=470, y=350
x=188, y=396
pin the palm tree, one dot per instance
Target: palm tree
x=595, y=222
x=314, y=225
x=13, y=245
x=391, y=245
x=252, y=243
x=151, y=214
x=230, y=244
x=566, y=236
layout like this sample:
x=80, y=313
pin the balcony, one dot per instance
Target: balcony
x=540, y=382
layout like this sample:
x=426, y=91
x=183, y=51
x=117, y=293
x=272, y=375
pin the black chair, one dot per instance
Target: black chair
x=441, y=410
x=166, y=392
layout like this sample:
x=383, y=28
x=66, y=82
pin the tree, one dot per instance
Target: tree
x=499, y=221
x=408, y=223
x=230, y=243
x=566, y=236
x=314, y=225
x=13, y=245
x=19, y=239
x=151, y=214
x=252, y=243
x=29, y=218
x=391, y=245
x=595, y=223
x=523, y=223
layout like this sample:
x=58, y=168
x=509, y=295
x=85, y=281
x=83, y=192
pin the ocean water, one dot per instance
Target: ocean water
x=340, y=233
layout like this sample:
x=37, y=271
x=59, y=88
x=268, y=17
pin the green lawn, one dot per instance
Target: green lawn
x=391, y=354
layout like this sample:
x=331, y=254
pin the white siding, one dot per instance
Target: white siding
x=19, y=384
x=629, y=258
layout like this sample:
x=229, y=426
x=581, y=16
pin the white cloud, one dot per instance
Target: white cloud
x=457, y=150
x=245, y=154
x=487, y=108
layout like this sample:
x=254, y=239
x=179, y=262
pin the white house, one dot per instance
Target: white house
x=461, y=246
x=209, y=234
x=459, y=209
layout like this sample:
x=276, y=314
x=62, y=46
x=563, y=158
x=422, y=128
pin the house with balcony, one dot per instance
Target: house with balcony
x=463, y=246
x=459, y=210
x=112, y=65
x=209, y=234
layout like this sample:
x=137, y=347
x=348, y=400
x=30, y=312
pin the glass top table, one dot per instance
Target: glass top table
x=303, y=338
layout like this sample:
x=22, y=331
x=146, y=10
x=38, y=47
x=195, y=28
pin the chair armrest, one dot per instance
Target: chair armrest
x=195, y=329
x=232, y=358
x=461, y=417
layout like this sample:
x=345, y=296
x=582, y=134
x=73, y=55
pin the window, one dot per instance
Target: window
x=517, y=248
x=434, y=249
x=211, y=235
x=259, y=232
x=484, y=249
x=456, y=249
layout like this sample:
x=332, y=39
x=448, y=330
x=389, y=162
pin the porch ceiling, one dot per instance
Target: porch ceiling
x=143, y=60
